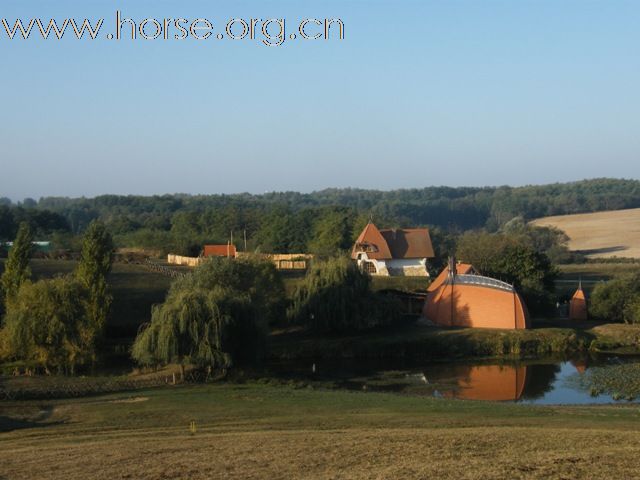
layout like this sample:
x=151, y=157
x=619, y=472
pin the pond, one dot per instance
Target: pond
x=587, y=380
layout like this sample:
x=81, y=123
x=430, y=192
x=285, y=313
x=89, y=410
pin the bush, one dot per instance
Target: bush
x=337, y=296
x=48, y=324
x=617, y=300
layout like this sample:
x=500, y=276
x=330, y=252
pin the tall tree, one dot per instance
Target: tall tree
x=17, y=270
x=96, y=259
x=333, y=232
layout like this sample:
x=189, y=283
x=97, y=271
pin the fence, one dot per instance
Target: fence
x=164, y=270
x=185, y=261
x=285, y=261
x=282, y=261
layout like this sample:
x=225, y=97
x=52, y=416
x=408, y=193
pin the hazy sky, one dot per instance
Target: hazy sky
x=418, y=93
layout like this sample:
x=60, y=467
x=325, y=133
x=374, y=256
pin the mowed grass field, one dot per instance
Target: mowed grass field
x=257, y=431
x=601, y=234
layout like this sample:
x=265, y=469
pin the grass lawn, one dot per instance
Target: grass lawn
x=263, y=431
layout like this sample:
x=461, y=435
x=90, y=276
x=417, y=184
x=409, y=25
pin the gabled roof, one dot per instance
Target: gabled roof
x=578, y=305
x=461, y=269
x=228, y=250
x=409, y=243
x=393, y=243
x=372, y=242
x=579, y=295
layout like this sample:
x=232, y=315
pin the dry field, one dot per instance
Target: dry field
x=258, y=431
x=602, y=234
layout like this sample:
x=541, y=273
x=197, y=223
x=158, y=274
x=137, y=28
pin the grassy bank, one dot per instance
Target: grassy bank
x=434, y=344
x=260, y=431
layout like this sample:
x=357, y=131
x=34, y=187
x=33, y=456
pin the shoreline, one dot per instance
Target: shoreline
x=415, y=342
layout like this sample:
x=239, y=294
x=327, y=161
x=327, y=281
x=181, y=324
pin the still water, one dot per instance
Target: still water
x=544, y=381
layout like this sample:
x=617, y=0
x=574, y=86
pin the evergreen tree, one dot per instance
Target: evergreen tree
x=16, y=270
x=96, y=259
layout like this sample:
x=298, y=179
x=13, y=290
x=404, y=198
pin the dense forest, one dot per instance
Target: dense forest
x=319, y=222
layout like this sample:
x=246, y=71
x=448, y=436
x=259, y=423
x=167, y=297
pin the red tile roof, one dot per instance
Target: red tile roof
x=393, y=243
x=578, y=306
x=373, y=243
x=219, y=251
x=409, y=243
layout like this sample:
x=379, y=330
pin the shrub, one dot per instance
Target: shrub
x=617, y=300
x=48, y=324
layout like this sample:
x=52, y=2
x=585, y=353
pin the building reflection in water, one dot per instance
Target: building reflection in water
x=494, y=382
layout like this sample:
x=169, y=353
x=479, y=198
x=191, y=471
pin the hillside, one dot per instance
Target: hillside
x=602, y=234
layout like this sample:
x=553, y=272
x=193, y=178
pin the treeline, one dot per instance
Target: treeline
x=323, y=221
x=44, y=223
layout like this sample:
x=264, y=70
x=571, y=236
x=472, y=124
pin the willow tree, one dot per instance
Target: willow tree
x=215, y=317
x=191, y=328
x=46, y=324
x=96, y=259
x=16, y=269
x=335, y=296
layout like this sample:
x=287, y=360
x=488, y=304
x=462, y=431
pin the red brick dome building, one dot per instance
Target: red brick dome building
x=470, y=300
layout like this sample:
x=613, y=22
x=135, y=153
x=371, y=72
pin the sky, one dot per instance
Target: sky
x=418, y=93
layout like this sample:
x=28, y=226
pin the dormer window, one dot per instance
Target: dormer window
x=367, y=248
